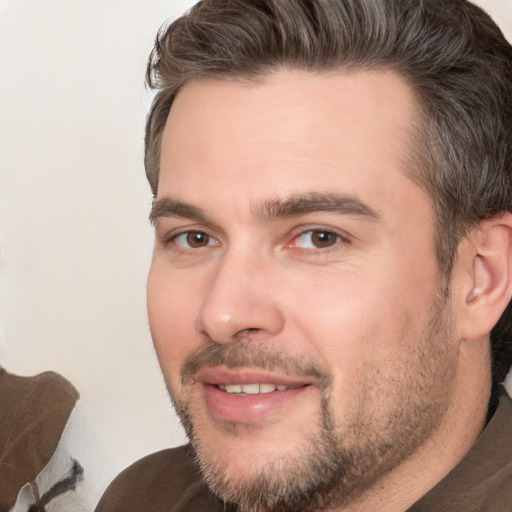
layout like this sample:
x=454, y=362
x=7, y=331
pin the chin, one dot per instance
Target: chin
x=244, y=451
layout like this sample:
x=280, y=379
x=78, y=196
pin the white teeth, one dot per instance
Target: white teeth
x=234, y=388
x=251, y=389
x=267, y=388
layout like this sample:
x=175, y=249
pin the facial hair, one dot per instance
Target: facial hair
x=340, y=458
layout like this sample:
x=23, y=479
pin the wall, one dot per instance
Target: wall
x=75, y=243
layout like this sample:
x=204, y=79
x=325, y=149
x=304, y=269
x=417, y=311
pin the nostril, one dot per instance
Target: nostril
x=247, y=333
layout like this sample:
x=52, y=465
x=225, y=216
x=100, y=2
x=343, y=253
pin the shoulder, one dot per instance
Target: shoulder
x=483, y=478
x=159, y=482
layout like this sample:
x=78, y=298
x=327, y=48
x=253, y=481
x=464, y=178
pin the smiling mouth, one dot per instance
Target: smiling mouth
x=249, y=396
x=253, y=389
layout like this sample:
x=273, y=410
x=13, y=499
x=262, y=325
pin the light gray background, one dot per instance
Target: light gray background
x=75, y=243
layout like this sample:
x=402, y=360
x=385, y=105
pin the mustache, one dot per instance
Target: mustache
x=251, y=354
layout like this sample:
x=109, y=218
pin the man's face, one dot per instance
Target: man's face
x=294, y=295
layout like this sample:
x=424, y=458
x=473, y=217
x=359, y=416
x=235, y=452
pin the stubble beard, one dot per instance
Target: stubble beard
x=338, y=462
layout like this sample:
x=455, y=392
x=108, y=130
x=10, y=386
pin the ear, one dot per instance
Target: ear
x=482, y=276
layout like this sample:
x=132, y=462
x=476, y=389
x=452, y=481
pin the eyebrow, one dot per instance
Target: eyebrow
x=316, y=202
x=293, y=206
x=168, y=207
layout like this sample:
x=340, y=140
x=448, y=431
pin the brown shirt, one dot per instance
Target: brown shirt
x=167, y=481
x=482, y=481
x=33, y=414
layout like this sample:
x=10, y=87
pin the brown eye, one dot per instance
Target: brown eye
x=322, y=239
x=197, y=239
x=194, y=240
x=317, y=239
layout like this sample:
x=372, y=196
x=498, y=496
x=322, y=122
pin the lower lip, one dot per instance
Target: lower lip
x=249, y=408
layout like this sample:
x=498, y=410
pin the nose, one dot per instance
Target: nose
x=240, y=299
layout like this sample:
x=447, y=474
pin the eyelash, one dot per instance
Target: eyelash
x=339, y=239
x=171, y=237
x=188, y=233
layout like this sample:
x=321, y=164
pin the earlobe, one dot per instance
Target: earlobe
x=488, y=259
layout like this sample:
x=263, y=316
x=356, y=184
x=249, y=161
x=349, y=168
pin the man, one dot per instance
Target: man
x=331, y=276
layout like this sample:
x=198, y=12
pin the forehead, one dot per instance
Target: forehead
x=291, y=132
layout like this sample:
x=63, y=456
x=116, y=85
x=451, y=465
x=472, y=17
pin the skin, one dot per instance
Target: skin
x=291, y=248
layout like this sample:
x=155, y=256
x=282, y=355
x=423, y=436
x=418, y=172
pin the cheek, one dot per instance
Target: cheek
x=335, y=325
x=357, y=321
x=171, y=312
x=340, y=308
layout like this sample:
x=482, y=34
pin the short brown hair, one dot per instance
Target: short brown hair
x=452, y=54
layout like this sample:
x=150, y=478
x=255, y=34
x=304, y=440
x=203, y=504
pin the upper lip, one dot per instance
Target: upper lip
x=225, y=376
